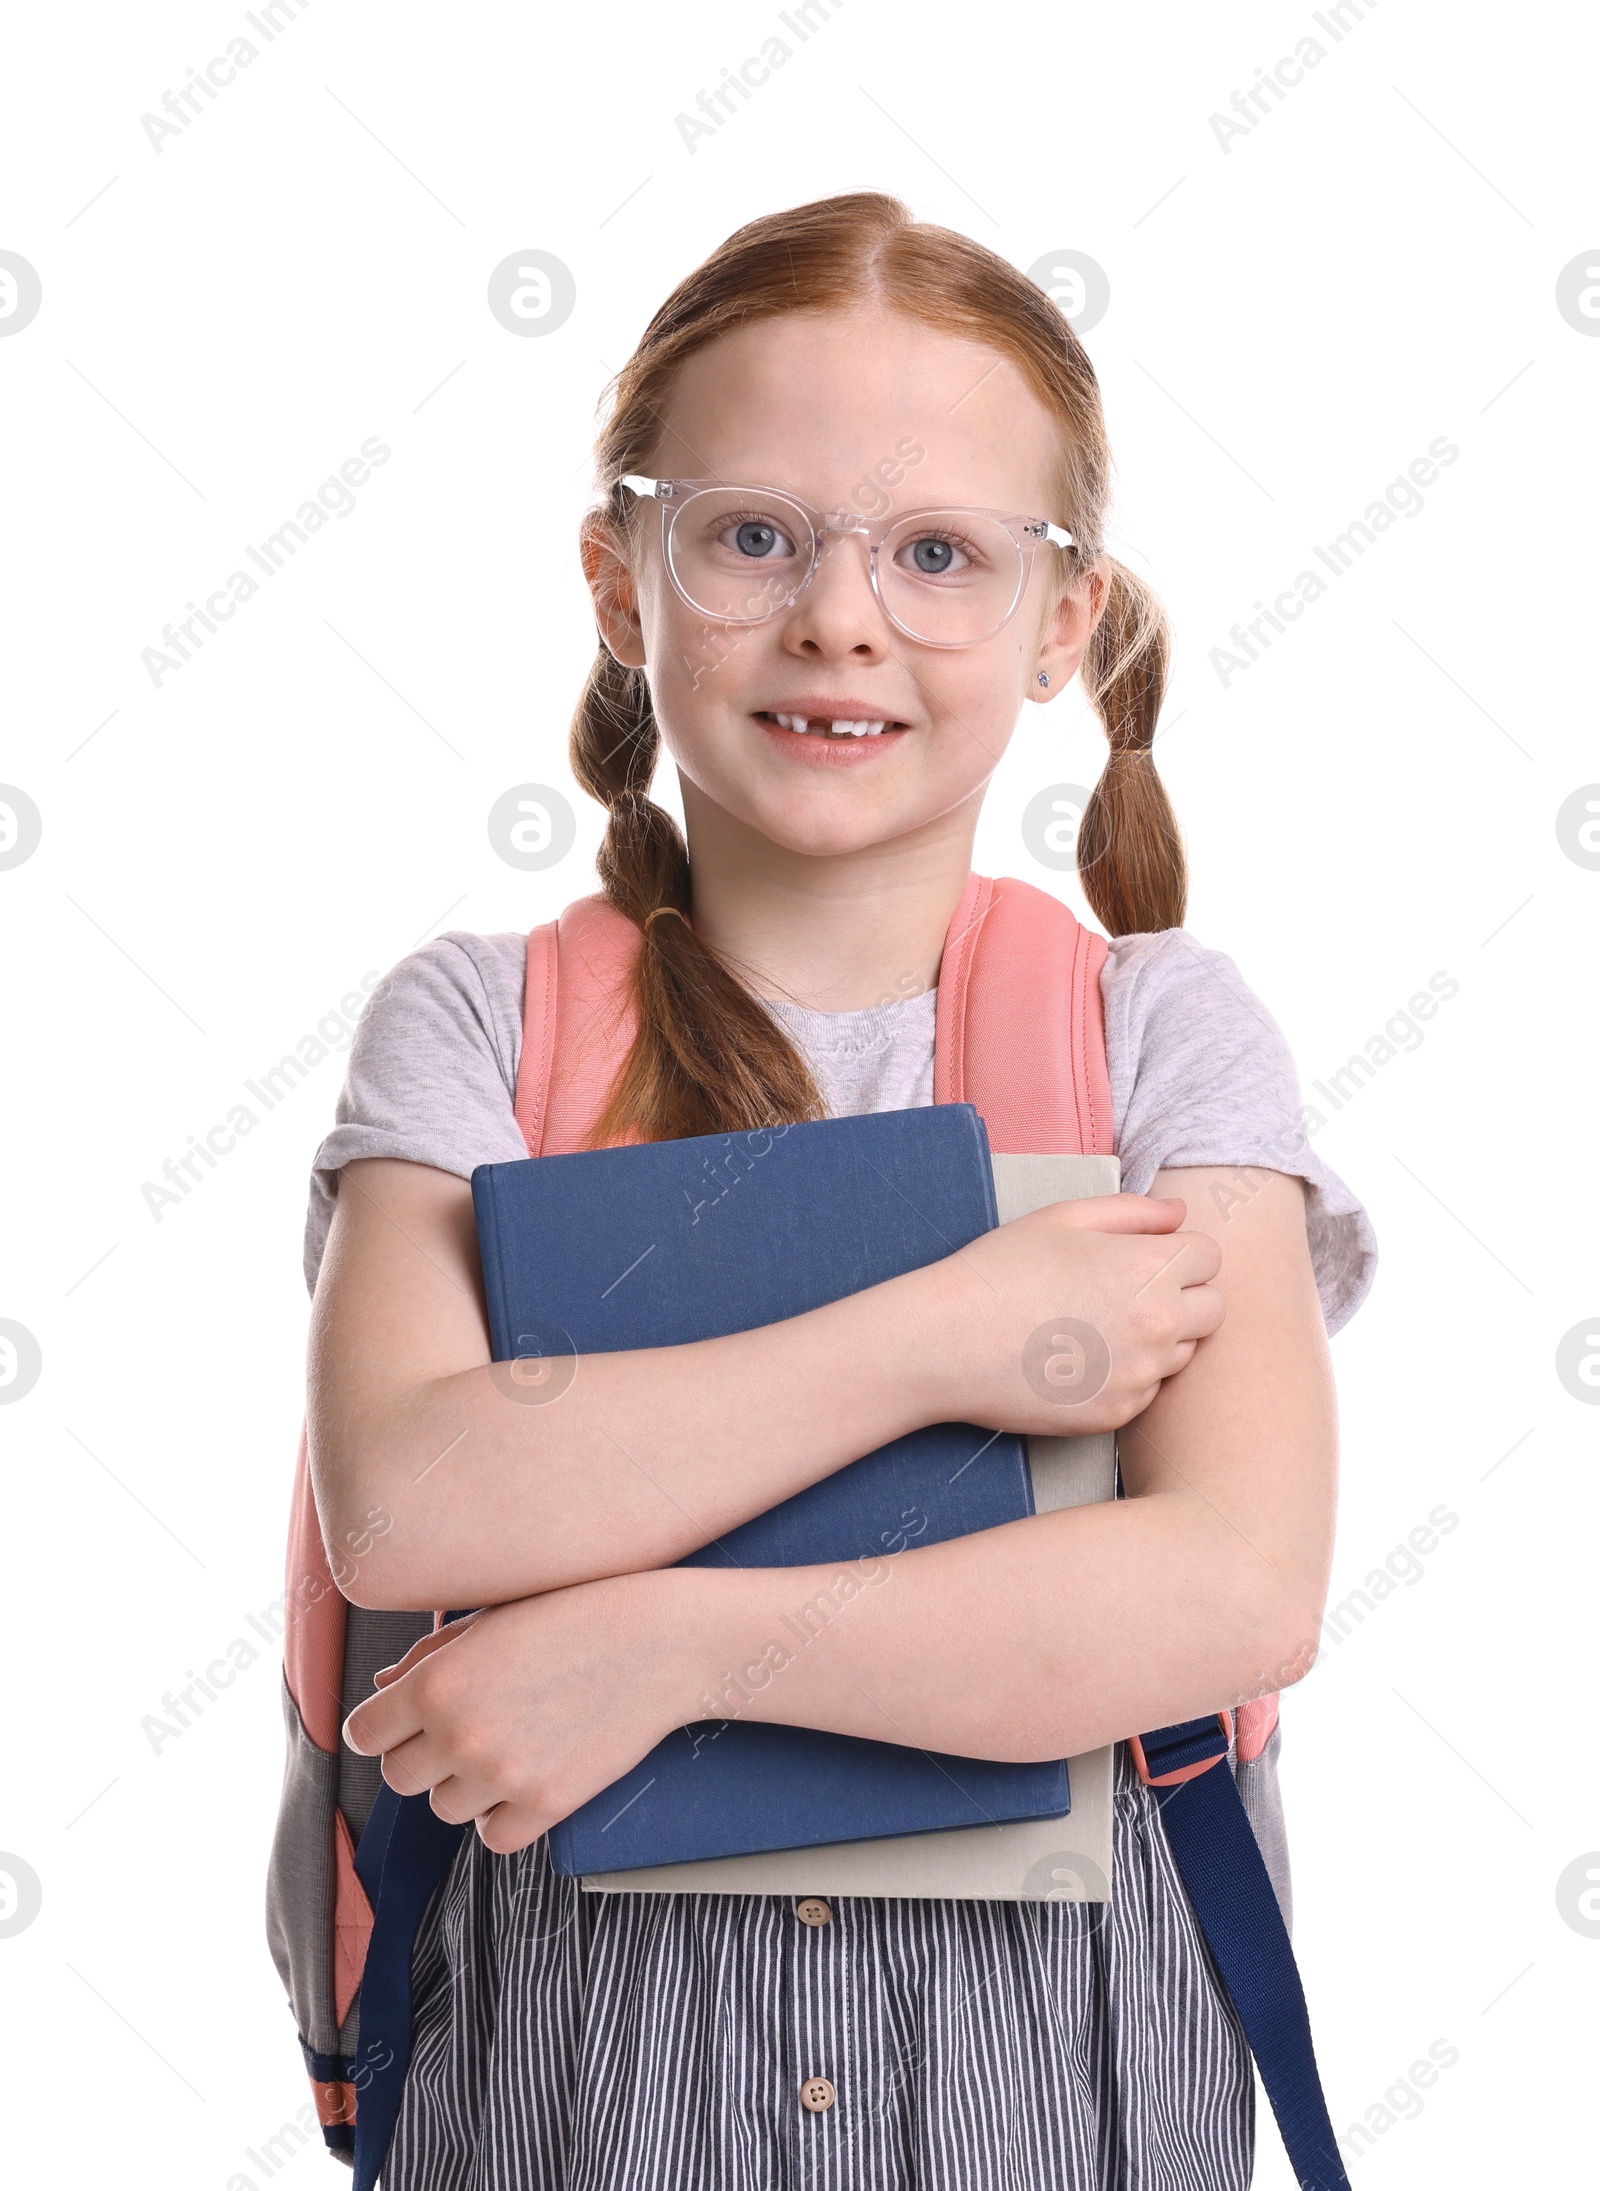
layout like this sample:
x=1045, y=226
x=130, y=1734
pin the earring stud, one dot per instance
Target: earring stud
x=1043, y=679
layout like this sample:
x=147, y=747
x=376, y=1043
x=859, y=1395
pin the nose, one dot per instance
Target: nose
x=837, y=617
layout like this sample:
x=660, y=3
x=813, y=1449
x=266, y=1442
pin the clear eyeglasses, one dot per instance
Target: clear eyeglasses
x=946, y=578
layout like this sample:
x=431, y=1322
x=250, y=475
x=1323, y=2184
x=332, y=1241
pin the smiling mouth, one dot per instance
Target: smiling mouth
x=804, y=725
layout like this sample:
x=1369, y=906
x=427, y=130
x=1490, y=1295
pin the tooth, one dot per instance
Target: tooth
x=875, y=730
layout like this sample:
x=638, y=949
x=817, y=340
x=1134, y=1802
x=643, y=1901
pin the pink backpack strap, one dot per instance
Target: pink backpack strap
x=538, y=1037
x=577, y=1023
x=1020, y=1033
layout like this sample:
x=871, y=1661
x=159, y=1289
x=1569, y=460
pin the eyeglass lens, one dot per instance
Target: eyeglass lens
x=945, y=576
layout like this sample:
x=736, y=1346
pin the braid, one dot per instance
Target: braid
x=708, y=1058
x=1130, y=854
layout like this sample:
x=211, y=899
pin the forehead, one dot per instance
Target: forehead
x=816, y=401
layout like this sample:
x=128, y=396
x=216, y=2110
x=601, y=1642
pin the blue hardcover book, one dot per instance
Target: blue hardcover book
x=674, y=1241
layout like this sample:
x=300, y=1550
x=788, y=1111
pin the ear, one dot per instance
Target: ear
x=1067, y=633
x=611, y=588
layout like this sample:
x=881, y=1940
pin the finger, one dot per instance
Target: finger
x=1123, y=1213
x=509, y=1827
x=1202, y=1257
x=1200, y=1311
x=424, y=1647
x=1183, y=1259
x=416, y=1764
x=1211, y=1305
x=435, y=1640
x=458, y=1800
x=383, y=1721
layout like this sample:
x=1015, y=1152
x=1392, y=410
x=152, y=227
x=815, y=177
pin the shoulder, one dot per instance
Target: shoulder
x=458, y=996
x=1181, y=1014
x=1202, y=1074
x=432, y=1072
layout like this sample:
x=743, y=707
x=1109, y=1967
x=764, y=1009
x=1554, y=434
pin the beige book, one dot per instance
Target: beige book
x=1063, y=1859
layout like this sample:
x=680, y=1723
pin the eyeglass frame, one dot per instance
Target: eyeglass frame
x=824, y=522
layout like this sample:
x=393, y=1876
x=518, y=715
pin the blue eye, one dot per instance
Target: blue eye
x=758, y=539
x=932, y=555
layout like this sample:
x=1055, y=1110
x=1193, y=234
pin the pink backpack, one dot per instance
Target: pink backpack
x=1020, y=1035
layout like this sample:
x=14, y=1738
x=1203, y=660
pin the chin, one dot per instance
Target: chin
x=832, y=829
x=824, y=837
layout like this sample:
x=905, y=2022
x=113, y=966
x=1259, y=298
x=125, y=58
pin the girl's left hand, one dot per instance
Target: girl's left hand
x=519, y=1714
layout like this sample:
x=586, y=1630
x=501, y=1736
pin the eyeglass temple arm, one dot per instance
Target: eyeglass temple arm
x=641, y=486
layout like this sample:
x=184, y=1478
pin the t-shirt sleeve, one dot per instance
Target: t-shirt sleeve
x=1201, y=1074
x=432, y=1071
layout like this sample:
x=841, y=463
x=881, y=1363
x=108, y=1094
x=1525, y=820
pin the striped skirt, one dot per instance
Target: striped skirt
x=567, y=2041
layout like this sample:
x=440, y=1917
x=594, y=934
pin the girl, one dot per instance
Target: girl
x=834, y=719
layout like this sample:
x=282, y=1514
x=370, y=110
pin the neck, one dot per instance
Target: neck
x=834, y=932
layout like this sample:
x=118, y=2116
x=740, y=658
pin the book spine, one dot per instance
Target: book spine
x=485, y=1210
x=991, y=1208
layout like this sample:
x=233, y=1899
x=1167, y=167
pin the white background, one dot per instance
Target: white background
x=1292, y=321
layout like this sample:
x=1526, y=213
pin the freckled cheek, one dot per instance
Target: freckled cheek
x=974, y=701
x=704, y=681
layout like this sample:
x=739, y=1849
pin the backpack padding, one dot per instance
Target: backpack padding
x=315, y=1621
x=1020, y=1032
x=319, y=1919
x=581, y=964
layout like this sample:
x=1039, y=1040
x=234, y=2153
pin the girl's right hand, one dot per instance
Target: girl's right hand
x=1068, y=1320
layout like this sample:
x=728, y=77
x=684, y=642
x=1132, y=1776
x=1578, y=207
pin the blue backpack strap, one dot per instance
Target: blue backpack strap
x=404, y=1852
x=1219, y=1862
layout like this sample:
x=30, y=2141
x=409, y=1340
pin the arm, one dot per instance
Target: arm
x=1040, y=1639
x=1203, y=1587
x=650, y=1454
x=644, y=1457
